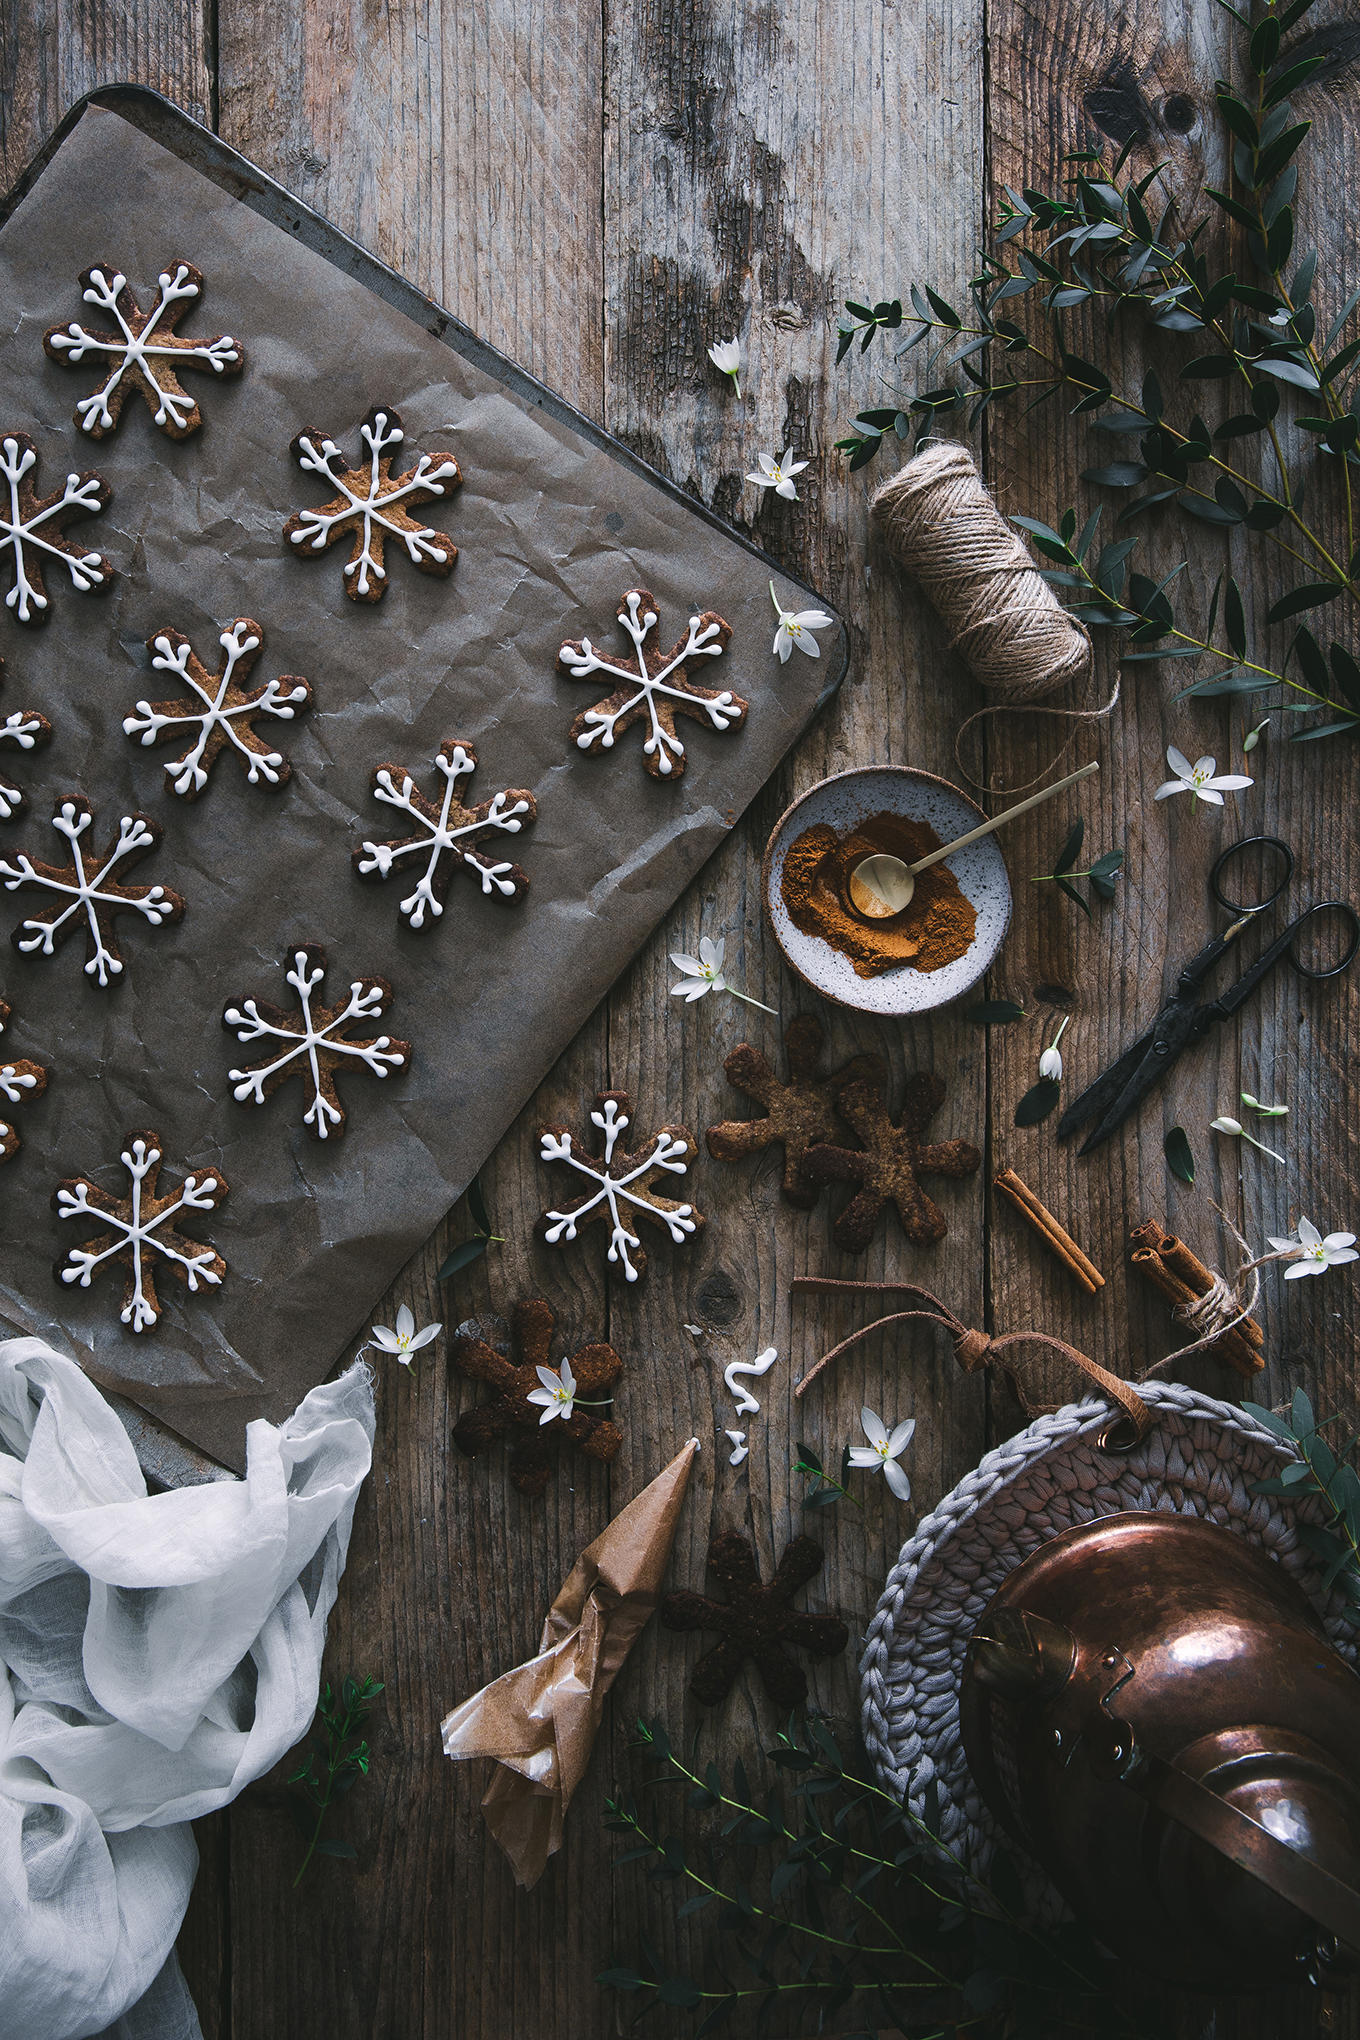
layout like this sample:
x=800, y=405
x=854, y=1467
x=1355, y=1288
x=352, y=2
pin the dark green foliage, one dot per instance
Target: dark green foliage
x=994, y=1012
x=1180, y=1157
x=825, y=1889
x=472, y=1250
x=1330, y=1476
x=1102, y=875
x=826, y=1490
x=1038, y=1102
x=333, y=1767
x=1109, y=246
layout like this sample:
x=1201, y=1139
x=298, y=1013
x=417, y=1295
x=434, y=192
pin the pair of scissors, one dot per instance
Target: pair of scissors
x=1183, y=1021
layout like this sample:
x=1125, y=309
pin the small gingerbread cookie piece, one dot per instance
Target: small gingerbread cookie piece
x=371, y=504
x=316, y=1043
x=593, y=1369
x=146, y=353
x=90, y=890
x=221, y=711
x=798, y=1115
x=450, y=837
x=656, y=688
x=141, y=1233
x=21, y=729
x=21, y=1081
x=755, y=1621
x=894, y=1158
x=33, y=531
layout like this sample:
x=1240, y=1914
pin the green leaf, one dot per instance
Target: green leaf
x=1265, y=45
x=943, y=311
x=1347, y=674
x=344, y=1852
x=1289, y=81
x=1234, y=209
x=1037, y=1103
x=1179, y=1155
x=994, y=1013
x=1271, y=161
x=477, y=1205
x=808, y=1457
x=1349, y=728
x=1071, y=849
x=461, y=1257
x=619, y=1979
x=1066, y=886
x=1290, y=372
x=719, y=2016
x=1238, y=427
x=1119, y=474
x=1312, y=595
x=1234, y=619
x=1238, y=120
x=1209, y=368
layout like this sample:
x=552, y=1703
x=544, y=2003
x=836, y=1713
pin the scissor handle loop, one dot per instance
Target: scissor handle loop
x=1325, y=907
x=1255, y=907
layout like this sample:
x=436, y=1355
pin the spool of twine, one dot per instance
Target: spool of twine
x=1003, y=619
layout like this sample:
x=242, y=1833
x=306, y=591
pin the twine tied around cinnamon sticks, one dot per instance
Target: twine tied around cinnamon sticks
x=1219, y=1310
x=976, y=1350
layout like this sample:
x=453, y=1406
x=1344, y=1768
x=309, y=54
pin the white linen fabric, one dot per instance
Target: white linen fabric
x=160, y=1652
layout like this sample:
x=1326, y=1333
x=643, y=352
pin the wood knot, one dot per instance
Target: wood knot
x=971, y=1350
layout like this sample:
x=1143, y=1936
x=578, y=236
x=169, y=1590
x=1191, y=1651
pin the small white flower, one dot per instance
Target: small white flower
x=1239, y=1132
x=1253, y=736
x=704, y=971
x=1050, y=1062
x=778, y=474
x=1311, y=1254
x=884, y=1449
x=1199, y=779
x=796, y=629
x=406, y=1340
x=726, y=357
x=1266, y=1111
x=557, y=1394
x=704, y=974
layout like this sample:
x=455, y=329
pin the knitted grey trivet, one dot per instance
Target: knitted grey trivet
x=1200, y=1459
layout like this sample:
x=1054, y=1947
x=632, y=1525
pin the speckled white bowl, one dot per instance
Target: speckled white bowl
x=842, y=803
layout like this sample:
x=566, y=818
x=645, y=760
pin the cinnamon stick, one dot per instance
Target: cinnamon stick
x=1050, y=1232
x=1182, y=1279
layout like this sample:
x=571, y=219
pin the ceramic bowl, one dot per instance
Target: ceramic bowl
x=842, y=803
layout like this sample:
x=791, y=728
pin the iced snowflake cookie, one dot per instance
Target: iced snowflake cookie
x=23, y=729
x=616, y=1185
x=316, y=1043
x=371, y=504
x=145, y=353
x=219, y=712
x=656, y=686
x=33, y=531
x=21, y=1082
x=89, y=890
x=450, y=836
x=141, y=1231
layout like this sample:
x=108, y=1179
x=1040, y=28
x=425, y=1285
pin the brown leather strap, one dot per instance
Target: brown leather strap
x=974, y=1350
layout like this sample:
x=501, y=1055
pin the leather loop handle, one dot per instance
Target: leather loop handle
x=974, y=1350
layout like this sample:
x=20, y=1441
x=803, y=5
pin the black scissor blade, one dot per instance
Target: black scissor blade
x=1148, y=1072
x=1096, y=1099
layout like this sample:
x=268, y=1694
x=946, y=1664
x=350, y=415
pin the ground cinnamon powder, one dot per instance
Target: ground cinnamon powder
x=932, y=931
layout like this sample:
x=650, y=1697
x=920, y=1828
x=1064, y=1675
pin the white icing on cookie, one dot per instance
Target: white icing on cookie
x=148, y=722
x=11, y=801
x=195, y=1195
x=721, y=711
x=251, y=1025
x=314, y=526
x=135, y=350
x=763, y=1362
x=86, y=569
x=21, y=729
x=85, y=894
x=438, y=836
x=610, y=1188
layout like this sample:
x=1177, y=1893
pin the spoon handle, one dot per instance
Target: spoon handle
x=1021, y=808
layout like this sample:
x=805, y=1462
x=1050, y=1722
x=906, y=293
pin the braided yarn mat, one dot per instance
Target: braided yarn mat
x=1200, y=1459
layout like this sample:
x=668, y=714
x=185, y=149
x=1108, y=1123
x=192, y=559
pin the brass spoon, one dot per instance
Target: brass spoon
x=881, y=886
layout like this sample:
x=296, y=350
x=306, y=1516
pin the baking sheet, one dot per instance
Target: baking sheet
x=553, y=522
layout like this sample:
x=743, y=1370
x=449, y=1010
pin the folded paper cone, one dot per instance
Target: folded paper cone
x=539, y=1721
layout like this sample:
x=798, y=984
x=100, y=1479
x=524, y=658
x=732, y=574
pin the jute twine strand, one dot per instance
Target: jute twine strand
x=1223, y=1306
x=1003, y=619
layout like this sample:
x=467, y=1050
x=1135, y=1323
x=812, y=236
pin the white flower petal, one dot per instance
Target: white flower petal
x=1336, y=1240
x=786, y=489
x=1171, y=786
x=1309, y=1235
x=555, y=1409
x=792, y=467
x=1205, y=765
x=1209, y=798
x=1050, y=1065
x=897, y=1480
x=1226, y=1125
x=1228, y=782
x=543, y=1398
x=1298, y=1268
x=1180, y=764
x=690, y=965
x=425, y=1334
x=551, y=1381
x=1339, y=1258
x=813, y=619
x=387, y=1341
x=901, y=1437
x=875, y=1430
x=804, y=640
x=568, y=1378
x=406, y=1322
x=865, y=1455
x=713, y=952
x=760, y=481
x=1281, y=1246
x=783, y=644
x=768, y=466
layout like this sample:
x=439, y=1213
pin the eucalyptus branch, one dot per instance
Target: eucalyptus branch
x=1331, y=1478
x=342, y=1759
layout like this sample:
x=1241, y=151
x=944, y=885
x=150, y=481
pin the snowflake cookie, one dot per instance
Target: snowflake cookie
x=21, y=1082
x=658, y=686
x=140, y=1227
x=222, y=715
x=373, y=504
x=615, y=1181
x=146, y=353
x=22, y=730
x=33, y=527
x=91, y=886
x=449, y=835
x=314, y=1043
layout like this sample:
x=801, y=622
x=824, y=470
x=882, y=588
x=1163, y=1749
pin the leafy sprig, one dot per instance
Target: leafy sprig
x=826, y=1490
x=858, y=1898
x=473, y=1249
x=333, y=1767
x=1108, y=243
x=1330, y=1476
x=1102, y=873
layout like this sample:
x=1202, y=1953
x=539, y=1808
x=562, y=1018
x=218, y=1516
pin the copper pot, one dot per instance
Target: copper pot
x=1151, y=1708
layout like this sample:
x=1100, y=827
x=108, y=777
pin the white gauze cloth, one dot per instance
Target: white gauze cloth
x=159, y=1652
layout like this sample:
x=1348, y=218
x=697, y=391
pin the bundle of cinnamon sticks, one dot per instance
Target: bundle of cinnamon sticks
x=1183, y=1279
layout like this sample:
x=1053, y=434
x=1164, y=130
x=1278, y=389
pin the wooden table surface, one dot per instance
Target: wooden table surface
x=601, y=194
